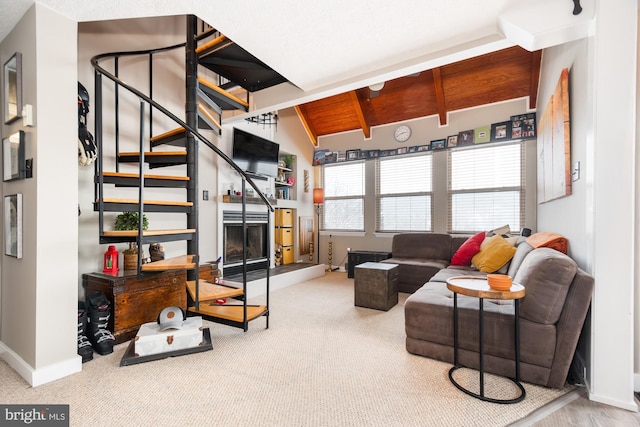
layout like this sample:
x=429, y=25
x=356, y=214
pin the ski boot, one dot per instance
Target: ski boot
x=84, y=346
x=99, y=312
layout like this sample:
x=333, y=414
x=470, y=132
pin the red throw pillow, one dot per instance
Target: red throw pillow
x=468, y=249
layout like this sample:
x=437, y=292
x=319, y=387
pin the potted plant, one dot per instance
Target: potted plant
x=288, y=160
x=130, y=221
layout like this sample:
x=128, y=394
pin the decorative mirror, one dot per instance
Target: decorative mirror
x=13, y=163
x=13, y=88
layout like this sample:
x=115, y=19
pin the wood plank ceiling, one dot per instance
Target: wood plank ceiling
x=498, y=76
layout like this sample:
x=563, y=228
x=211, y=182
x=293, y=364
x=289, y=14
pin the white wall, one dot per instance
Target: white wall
x=595, y=218
x=169, y=90
x=39, y=297
x=424, y=130
x=613, y=151
x=292, y=138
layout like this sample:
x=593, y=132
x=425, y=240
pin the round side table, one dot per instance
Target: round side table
x=478, y=287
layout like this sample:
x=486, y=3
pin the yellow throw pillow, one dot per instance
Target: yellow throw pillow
x=494, y=253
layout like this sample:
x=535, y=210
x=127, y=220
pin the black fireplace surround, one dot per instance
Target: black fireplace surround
x=257, y=241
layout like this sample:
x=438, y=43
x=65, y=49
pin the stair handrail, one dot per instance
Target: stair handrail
x=95, y=62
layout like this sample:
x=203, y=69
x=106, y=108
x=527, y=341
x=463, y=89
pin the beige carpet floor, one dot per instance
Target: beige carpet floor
x=322, y=362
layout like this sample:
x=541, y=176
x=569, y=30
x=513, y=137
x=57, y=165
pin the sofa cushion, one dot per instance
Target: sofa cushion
x=522, y=250
x=546, y=275
x=415, y=272
x=494, y=253
x=422, y=245
x=454, y=271
x=468, y=249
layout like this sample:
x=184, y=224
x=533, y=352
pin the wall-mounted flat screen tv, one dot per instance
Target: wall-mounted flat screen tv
x=257, y=156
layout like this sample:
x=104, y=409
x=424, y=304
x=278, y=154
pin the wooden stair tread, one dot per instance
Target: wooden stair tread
x=168, y=134
x=223, y=92
x=210, y=291
x=209, y=117
x=217, y=41
x=147, y=202
x=182, y=262
x=230, y=312
x=157, y=154
x=146, y=176
x=146, y=233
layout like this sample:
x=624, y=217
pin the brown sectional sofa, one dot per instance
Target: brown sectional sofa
x=552, y=313
x=421, y=255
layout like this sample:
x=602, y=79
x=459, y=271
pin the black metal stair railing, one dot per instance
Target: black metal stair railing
x=99, y=73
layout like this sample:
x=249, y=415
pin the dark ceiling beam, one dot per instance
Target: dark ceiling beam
x=307, y=127
x=440, y=100
x=536, y=60
x=357, y=107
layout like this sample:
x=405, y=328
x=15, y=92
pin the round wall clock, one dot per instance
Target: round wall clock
x=402, y=133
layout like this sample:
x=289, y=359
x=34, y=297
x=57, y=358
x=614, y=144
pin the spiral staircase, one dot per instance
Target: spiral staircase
x=219, y=76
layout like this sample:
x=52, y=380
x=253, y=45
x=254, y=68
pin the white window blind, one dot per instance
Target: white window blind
x=486, y=188
x=343, y=197
x=404, y=193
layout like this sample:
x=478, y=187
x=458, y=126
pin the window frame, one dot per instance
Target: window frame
x=363, y=196
x=379, y=197
x=521, y=188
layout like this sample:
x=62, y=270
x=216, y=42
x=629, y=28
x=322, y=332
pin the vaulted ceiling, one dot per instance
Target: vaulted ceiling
x=330, y=51
x=498, y=76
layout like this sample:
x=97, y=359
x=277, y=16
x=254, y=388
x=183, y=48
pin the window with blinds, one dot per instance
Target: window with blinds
x=486, y=188
x=404, y=193
x=343, y=197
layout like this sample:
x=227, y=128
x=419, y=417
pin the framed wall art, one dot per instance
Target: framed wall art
x=501, y=131
x=554, y=144
x=13, y=157
x=452, y=141
x=12, y=75
x=465, y=137
x=481, y=135
x=13, y=225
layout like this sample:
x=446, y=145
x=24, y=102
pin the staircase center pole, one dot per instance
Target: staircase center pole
x=191, y=118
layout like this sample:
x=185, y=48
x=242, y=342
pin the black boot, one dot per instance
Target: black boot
x=99, y=313
x=84, y=346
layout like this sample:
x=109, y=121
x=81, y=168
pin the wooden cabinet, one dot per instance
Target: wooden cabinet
x=284, y=233
x=136, y=301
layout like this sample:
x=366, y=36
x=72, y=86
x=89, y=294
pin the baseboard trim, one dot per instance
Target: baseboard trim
x=636, y=382
x=36, y=377
x=630, y=406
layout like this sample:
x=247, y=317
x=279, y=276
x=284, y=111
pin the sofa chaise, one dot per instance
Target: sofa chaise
x=552, y=313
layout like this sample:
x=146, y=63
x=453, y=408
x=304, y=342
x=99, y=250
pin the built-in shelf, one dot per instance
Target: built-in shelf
x=285, y=190
x=228, y=198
